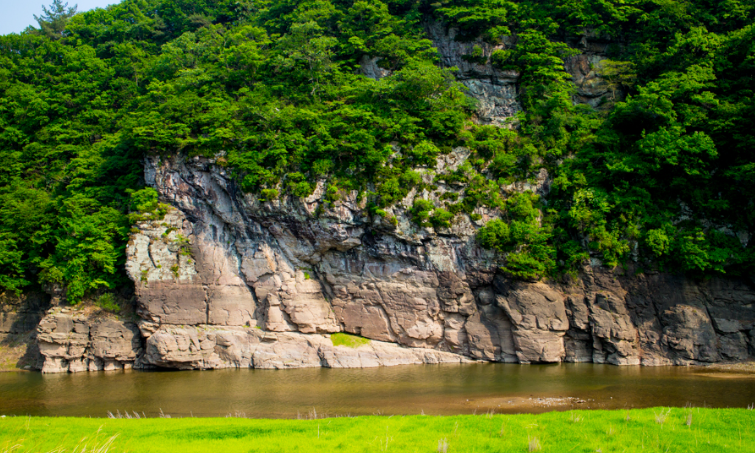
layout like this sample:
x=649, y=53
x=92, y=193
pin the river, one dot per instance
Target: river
x=428, y=389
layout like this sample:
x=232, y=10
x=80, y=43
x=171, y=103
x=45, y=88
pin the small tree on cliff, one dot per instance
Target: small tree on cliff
x=53, y=22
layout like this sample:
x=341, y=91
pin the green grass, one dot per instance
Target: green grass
x=711, y=430
x=351, y=341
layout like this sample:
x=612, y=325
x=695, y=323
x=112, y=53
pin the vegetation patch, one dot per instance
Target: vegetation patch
x=350, y=341
x=108, y=302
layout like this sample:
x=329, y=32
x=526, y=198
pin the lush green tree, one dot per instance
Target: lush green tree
x=53, y=21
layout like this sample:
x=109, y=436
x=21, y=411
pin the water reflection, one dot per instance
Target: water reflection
x=432, y=389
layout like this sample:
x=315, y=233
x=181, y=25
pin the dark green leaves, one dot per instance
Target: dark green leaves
x=662, y=171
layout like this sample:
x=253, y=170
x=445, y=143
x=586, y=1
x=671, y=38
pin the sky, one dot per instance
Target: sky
x=16, y=15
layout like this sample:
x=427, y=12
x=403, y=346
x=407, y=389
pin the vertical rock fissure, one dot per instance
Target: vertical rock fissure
x=206, y=304
x=149, y=253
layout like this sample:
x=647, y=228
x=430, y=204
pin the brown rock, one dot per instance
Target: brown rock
x=168, y=302
x=538, y=316
x=76, y=343
x=230, y=306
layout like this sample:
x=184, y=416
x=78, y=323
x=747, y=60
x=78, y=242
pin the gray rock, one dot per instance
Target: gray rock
x=276, y=266
x=495, y=90
x=371, y=69
x=21, y=314
x=538, y=315
x=210, y=347
x=75, y=343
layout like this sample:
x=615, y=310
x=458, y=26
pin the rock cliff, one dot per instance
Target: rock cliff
x=299, y=269
x=20, y=314
x=228, y=280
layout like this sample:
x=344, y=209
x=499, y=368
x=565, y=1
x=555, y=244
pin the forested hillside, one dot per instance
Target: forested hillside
x=662, y=174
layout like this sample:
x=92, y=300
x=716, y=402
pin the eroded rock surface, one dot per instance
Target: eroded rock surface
x=76, y=342
x=538, y=315
x=495, y=90
x=212, y=347
x=21, y=314
x=291, y=271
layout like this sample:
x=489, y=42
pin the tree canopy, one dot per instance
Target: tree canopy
x=663, y=174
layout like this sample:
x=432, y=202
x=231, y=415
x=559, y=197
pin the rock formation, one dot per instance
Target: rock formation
x=20, y=314
x=80, y=343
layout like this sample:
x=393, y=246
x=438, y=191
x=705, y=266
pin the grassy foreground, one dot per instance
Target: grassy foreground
x=651, y=430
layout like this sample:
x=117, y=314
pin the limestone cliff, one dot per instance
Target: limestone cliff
x=227, y=280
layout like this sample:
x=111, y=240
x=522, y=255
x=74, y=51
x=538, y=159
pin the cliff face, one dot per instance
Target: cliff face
x=226, y=280
x=276, y=274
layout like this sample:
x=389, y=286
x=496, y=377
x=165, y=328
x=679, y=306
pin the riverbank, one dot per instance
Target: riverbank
x=655, y=429
x=742, y=367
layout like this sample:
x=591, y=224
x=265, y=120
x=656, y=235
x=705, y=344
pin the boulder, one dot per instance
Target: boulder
x=539, y=322
x=74, y=342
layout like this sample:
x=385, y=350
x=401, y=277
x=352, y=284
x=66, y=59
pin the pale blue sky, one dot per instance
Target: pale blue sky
x=16, y=15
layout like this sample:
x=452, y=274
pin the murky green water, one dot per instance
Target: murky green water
x=429, y=389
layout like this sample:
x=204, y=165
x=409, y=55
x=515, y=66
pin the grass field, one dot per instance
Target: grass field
x=640, y=430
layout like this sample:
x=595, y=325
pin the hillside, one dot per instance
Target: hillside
x=658, y=172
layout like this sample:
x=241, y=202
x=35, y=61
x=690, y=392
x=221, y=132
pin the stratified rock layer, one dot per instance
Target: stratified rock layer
x=21, y=314
x=75, y=342
x=211, y=347
x=287, y=277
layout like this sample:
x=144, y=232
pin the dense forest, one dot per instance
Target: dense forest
x=663, y=175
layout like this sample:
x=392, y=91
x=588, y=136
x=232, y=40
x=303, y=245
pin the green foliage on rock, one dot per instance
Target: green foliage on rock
x=663, y=172
x=108, y=302
x=421, y=210
x=524, y=236
x=660, y=174
x=350, y=341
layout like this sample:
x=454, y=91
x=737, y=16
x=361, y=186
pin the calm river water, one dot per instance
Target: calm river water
x=429, y=389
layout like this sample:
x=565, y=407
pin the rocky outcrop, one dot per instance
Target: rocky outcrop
x=21, y=314
x=177, y=286
x=538, y=316
x=591, y=88
x=495, y=90
x=228, y=280
x=19, y=317
x=212, y=347
x=77, y=342
x=292, y=271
